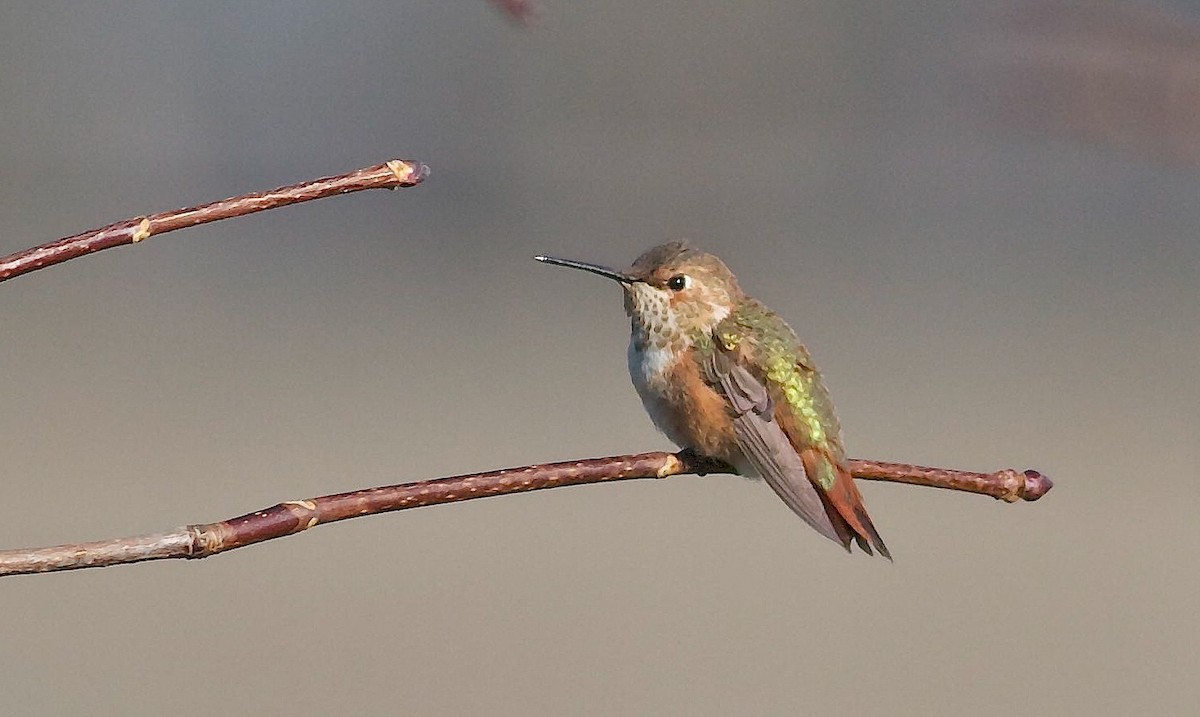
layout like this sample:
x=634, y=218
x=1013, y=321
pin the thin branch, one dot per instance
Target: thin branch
x=201, y=541
x=521, y=11
x=389, y=175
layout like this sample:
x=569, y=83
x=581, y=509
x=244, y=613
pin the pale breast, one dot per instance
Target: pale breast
x=680, y=404
x=649, y=371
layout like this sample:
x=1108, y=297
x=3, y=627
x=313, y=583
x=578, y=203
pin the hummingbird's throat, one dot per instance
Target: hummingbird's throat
x=660, y=321
x=654, y=324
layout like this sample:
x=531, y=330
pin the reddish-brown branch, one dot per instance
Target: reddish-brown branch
x=389, y=175
x=1007, y=485
x=519, y=10
x=199, y=541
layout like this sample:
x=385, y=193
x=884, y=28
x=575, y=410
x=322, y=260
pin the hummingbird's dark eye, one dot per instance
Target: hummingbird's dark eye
x=679, y=282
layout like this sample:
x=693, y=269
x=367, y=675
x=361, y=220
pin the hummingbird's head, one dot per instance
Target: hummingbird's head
x=672, y=292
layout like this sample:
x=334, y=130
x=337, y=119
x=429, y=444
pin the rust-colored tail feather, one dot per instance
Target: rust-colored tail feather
x=844, y=504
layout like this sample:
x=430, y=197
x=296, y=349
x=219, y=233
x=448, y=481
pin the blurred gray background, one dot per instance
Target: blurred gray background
x=982, y=219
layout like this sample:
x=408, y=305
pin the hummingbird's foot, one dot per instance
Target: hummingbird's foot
x=701, y=464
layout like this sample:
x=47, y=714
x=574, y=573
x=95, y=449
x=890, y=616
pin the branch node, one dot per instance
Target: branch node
x=1013, y=484
x=202, y=542
x=307, y=509
x=671, y=466
x=142, y=231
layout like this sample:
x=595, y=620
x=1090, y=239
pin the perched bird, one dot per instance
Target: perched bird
x=722, y=375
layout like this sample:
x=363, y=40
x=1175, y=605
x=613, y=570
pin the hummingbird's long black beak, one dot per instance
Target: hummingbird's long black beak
x=584, y=266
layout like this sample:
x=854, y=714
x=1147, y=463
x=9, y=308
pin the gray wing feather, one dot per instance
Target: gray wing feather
x=767, y=447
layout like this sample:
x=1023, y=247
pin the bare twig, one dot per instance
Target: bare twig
x=519, y=10
x=389, y=175
x=1007, y=485
x=200, y=541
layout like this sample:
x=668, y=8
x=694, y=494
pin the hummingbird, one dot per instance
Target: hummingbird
x=725, y=377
